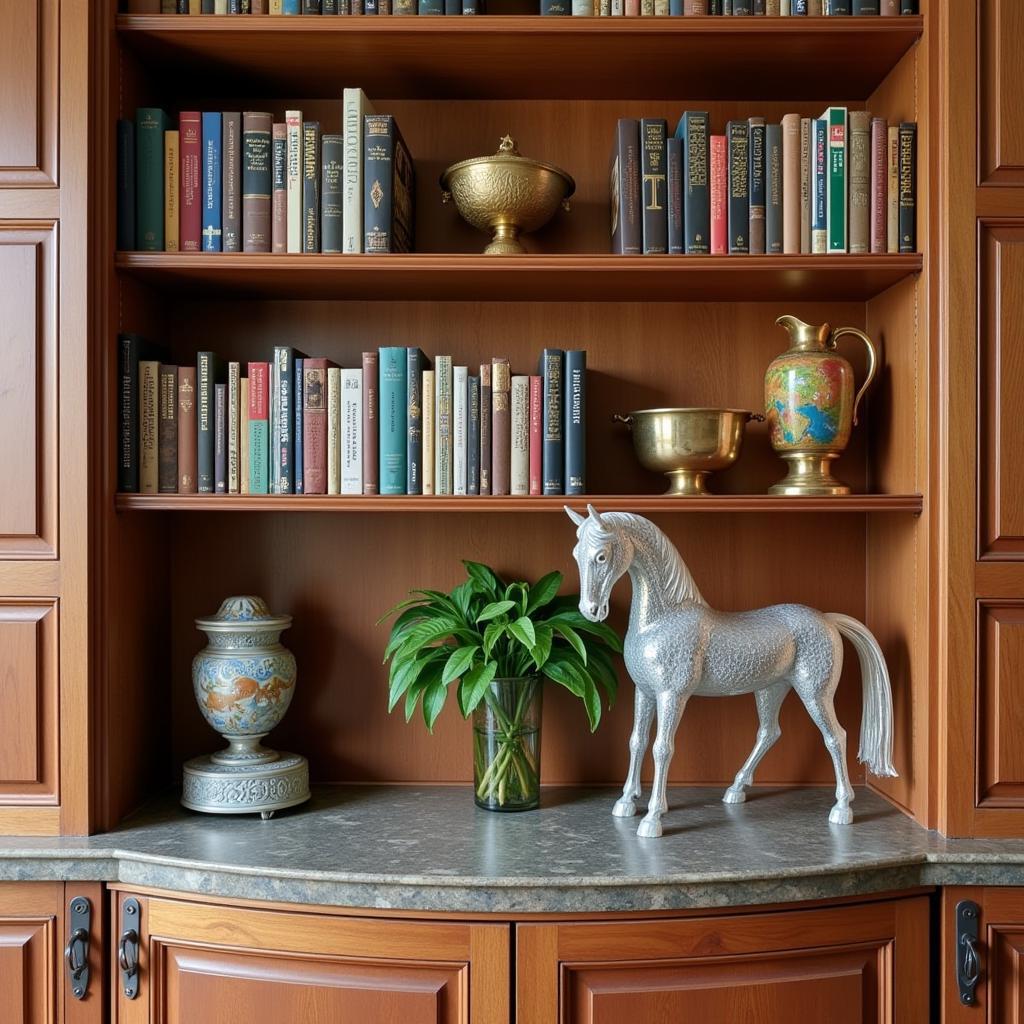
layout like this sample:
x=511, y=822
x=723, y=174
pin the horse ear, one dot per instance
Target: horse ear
x=596, y=516
x=574, y=516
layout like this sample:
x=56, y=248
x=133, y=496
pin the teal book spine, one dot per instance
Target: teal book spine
x=150, y=125
x=394, y=405
x=836, y=178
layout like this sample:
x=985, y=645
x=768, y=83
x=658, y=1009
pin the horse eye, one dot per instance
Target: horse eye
x=600, y=558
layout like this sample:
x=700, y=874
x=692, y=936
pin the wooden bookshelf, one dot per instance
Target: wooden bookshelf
x=594, y=278
x=531, y=57
x=905, y=503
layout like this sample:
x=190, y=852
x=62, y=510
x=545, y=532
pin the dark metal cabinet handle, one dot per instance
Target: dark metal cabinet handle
x=76, y=952
x=968, y=961
x=128, y=950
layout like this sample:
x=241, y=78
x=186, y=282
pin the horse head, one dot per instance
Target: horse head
x=603, y=554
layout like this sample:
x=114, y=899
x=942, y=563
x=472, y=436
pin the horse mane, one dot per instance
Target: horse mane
x=676, y=580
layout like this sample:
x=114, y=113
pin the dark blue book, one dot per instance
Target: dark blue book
x=208, y=7
x=220, y=439
x=556, y=7
x=452, y=6
x=473, y=435
x=738, y=141
x=211, y=182
x=674, y=167
x=310, y=186
x=675, y=8
x=128, y=346
x=125, y=185
x=310, y=6
x=471, y=6
x=206, y=427
x=837, y=7
x=799, y=7
x=297, y=433
x=693, y=132
x=773, y=189
x=282, y=473
x=416, y=363
x=429, y=7
x=388, y=187
x=863, y=8
x=654, y=183
x=756, y=237
x=552, y=372
x=819, y=186
x=908, y=7
x=576, y=421
x=332, y=193
x=372, y=7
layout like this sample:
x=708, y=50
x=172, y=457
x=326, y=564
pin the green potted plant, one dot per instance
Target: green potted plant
x=498, y=642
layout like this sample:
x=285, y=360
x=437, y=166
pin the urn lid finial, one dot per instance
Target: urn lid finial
x=244, y=611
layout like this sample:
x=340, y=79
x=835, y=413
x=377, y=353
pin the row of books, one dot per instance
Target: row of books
x=241, y=182
x=845, y=182
x=293, y=7
x=741, y=8
x=398, y=424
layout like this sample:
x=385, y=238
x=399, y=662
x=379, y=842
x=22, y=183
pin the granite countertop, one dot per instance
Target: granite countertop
x=428, y=848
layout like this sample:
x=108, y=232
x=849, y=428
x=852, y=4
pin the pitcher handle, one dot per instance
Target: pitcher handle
x=872, y=360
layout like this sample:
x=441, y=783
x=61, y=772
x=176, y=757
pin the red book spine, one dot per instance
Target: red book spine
x=879, y=185
x=536, y=434
x=719, y=196
x=190, y=207
x=632, y=8
x=371, y=429
x=314, y=426
x=187, y=451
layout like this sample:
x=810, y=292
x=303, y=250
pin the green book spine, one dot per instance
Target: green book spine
x=836, y=186
x=394, y=423
x=150, y=125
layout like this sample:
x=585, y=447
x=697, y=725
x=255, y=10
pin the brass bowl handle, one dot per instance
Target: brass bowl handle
x=872, y=360
x=627, y=420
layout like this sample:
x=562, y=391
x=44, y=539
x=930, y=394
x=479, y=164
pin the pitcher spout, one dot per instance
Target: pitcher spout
x=802, y=336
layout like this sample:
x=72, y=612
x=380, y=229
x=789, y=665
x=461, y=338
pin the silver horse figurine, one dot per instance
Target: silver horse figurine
x=677, y=646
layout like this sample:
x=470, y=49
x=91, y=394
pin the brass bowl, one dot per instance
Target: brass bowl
x=506, y=194
x=687, y=444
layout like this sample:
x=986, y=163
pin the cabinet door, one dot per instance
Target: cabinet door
x=1001, y=86
x=860, y=964
x=202, y=963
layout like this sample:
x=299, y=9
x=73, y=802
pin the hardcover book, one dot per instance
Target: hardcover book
x=371, y=448
x=654, y=183
x=773, y=244
x=389, y=186
x=674, y=169
x=576, y=421
x=693, y=131
x=892, y=230
x=314, y=426
x=429, y=430
x=819, y=185
x=501, y=426
x=206, y=380
x=352, y=431
x=738, y=134
x=298, y=427
x=756, y=238
x=443, y=424
x=125, y=185
x=908, y=187
x=626, y=225
x=719, y=193
x=416, y=363
x=860, y=181
x=552, y=370
x=792, y=183
x=695, y=7
x=332, y=194
x=190, y=142
x=187, y=481
x=806, y=173
x=536, y=447
x=355, y=106
x=333, y=430
x=865, y=7
x=394, y=402
x=473, y=435
x=243, y=435
x=150, y=125
x=485, y=428
x=293, y=141
x=282, y=407
x=460, y=407
x=149, y=415
x=257, y=180
x=279, y=202
x=211, y=182
x=128, y=413
x=519, y=465
x=310, y=186
x=220, y=439
x=879, y=183
x=231, y=177
x=234, y=472
x=171, y=191
x=259, y=437
x=836, y=188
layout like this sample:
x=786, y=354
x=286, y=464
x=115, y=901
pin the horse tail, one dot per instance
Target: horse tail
x=876, y=720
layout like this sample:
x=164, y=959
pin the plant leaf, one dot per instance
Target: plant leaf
x=522, y=629
x=573, y=638
x=543, y=591
x=463, y=596
x=592, y=702
x=474, y=686
x=485, y=579
x=408, y=602
x=542, y=648
x=599, y=629
x=602, y=669
x=564, y=670
x=492, y=634
x=424, y=633
x=494, y=609
x=433, y=701
x=406, y=674
x=460, y=660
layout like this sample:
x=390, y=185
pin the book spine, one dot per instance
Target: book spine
x=310, y=186
x=695, y=7
x=332, y=195
x=314, y=426
x=860, y=181
x=576, y=421
x=760, y=8
x=125, y=185
x=756, y=149
x=555, y=7
x=371, y=415
x=187, y=475
x=553, y=468
x=654, y=184
x=394, y=401
x=865, y=7
x=908, y=187
x=773, y=8
x=351, y=432
x=836, y=187
x=167, y=431
x=273, y=425
x=908, y=6
x=536, y=446
x=257, y=180
x=416, y=363
x=819, y=182
x=472, y=6
x=693, y=130
x=284, y=419
x=815, y=8
x=279, y=212
x=837, y=7
x=206, y=377
x=354, y=107
x=674, y=170
x=378, y=166
x=231, y=178
x=149, y=415
x=580, y=8
x=627, y=226
x=128, y=414
x=800, y=7
x=190, y=143
x=485, y=428
x=211, y=182
x=806, y=172
x=311, y=7
x=719, y=195
x=404, y=7
x=473, y=435
x=220, y=439
x=879, y=183
x=738, y=133
x=519, y=465
x=792, y=195
x=298, y=427
x=333, y=430
x=243, y=435
x=773, y=230
x=373, y=7
x=293, y=139
x=171, y=192
x=291, y=7
x=258, y=412
x=452, y=6
x=501, y=426
x=443, y=424
x=429, y=429
x=890, y=8
x=234, y=375
x=892, y=231
x=460, y=406
x=150, y=123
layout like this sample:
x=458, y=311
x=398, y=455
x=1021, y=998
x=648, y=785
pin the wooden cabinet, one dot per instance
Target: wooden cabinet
x=206, y=964
x=1001, y=87
x=847, y=965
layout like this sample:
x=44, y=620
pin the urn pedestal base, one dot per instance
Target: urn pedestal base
x=214, y=786
x=809, y=475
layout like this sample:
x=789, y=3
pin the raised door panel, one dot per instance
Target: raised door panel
x=28, y=99
x=1001, y=704
x=28, y=935
x=1001, y=92
x=1001, y=385
x=28, y=398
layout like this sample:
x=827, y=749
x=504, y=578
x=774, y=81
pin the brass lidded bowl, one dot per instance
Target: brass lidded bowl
x=506, y=194
x=687, y=444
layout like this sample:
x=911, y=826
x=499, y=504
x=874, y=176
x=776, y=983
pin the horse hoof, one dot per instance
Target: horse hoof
x=841, y=815
x=624, y=809
x=734, y=796
x=649, y=829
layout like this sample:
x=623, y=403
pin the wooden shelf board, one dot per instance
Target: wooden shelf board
x=910, y=503
x=521, y=57
x=603, y=278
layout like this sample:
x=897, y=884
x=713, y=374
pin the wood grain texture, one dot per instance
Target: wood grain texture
x=1000, y=756
x=29, y=921
x=1001, y=93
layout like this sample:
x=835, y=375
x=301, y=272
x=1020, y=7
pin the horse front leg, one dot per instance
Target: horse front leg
x=643, y=712
x=670, y=710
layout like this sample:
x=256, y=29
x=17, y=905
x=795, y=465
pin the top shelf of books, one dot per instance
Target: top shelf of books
x=527, y=57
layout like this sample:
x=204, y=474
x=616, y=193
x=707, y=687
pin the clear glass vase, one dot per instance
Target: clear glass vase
x=506, y=745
